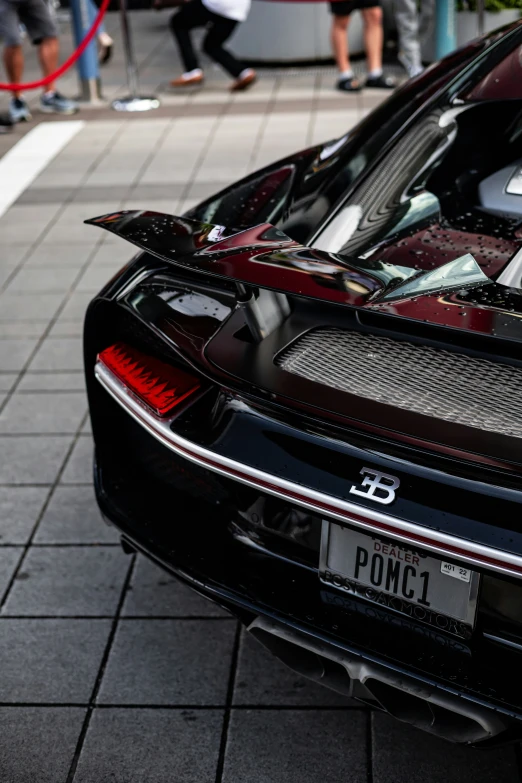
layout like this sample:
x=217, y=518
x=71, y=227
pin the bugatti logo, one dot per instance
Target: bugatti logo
x=379, y=486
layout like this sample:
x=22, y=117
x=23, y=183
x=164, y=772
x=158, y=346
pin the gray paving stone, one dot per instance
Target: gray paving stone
x=28, y=460
x=177, y=662
x=9, y=557
x=7, y=380
x=64, y=232
x=38, y=743
x=292, y=746
x=44, y=413
x=78, y=581
x=75, y=306
x=153, y=592
x=11, y=255
x=262, y=679
x=14, y=233
x=28, y=307
x=68, y=256
x=79, y=466
x=15, y=353
x=17, y=329
x=51, y=381
x=151, y=746
x=95, y=278
x=19, y=510
x=50, y=661
x=6, y=274
x=73, y=517
x=108, y=255
x=66, y=329
x=59, y=353
x=43, y=280
x=397, y=748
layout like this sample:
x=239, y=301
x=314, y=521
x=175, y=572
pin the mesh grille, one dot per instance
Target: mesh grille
x=449, y=386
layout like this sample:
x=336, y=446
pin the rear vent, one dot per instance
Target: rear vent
x=438, y=383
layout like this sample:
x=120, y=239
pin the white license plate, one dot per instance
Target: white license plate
x=427, y=589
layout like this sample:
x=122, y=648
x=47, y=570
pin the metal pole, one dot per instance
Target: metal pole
x=134, y=101
x=445, y=33
x=87, y=65
x=481, y=14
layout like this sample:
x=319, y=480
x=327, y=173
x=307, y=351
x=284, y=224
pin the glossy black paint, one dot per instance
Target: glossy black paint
x=258, y=554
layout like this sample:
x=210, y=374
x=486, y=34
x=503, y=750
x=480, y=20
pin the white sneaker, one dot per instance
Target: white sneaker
x=19, y=110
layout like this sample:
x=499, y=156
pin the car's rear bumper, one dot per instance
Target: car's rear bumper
x=463, y=690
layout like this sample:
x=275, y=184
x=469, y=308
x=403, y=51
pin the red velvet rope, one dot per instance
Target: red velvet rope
x=70, y=60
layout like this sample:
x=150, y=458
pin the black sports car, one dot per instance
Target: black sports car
x=306, y=399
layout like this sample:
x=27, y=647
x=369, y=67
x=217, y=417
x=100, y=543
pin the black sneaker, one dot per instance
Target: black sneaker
x=348, y=84
x=383, y=82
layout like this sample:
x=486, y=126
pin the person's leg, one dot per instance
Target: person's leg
x=14, y=66
x=191, y=15
x=373, y=43
x=341, y=10
x=427, y=15
x=339, y=39
x=52, y=102
x=407, y=19
x=48, y=52
x=10, y=35
x=105, y=42
x=93, y=13
x=373, y=38
x=220, y=31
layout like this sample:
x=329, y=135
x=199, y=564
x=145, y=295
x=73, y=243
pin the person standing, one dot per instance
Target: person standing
x=221, y=17
x=373, y=43
x=36, y=16
x=413, y=28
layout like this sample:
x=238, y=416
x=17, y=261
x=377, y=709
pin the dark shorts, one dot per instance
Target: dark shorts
x=345, y=7
x=35, y=15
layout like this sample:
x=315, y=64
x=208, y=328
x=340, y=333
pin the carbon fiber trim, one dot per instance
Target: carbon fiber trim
x=449, y=386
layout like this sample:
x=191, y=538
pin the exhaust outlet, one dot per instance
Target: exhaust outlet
x=444, y=715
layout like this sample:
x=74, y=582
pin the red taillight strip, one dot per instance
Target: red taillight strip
x=158, y=385
x=368, y=519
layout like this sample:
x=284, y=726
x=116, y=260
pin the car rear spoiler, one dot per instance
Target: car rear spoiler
x=263, y=257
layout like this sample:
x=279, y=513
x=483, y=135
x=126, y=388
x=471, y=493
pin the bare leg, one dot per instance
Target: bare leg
x=48, y=53
x=14, y=66
x=339, y=39
x=373, y=37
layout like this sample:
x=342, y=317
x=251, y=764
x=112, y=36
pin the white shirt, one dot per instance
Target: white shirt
x=230, y=9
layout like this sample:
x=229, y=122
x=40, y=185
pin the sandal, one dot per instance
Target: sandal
x=349, y=84
x=382, y=81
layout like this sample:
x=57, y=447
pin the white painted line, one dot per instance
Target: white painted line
x=27, y=159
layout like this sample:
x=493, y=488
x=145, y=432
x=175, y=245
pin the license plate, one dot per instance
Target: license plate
x=394, y=575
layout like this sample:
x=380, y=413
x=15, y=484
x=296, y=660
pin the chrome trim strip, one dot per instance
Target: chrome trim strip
x=500, y=640
x=330, y=506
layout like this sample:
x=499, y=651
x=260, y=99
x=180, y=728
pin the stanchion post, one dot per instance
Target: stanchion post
x=87, y=65
x=481, y=16
x=134, y=101
x=445, y=33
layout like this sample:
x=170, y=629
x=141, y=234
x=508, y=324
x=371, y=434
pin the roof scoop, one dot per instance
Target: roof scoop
x=459, y=273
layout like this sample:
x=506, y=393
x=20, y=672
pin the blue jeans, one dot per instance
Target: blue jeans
x=93, y=10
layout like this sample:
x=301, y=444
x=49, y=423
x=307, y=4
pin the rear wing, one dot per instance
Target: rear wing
x=264, y=258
